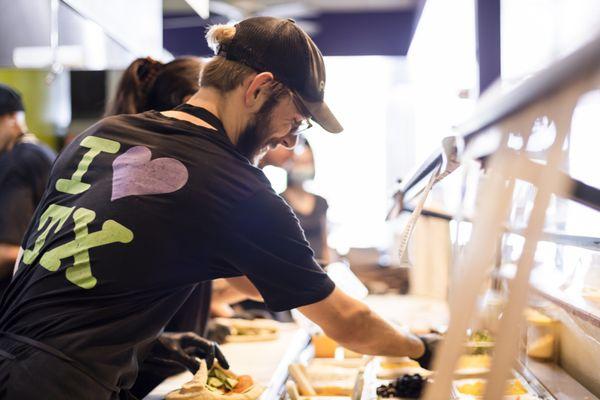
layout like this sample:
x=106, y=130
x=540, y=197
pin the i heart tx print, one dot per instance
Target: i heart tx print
x=136, y=174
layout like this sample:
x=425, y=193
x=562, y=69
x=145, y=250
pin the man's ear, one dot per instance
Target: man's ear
x=257, y=90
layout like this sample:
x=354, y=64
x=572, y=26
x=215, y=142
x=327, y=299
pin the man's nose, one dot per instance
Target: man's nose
x=289, y=141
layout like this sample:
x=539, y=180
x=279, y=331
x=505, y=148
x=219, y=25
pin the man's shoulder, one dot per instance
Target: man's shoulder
x=256, y=176
x=117, y=121
x=122, y=120
x=264, y=204
x=31, y=150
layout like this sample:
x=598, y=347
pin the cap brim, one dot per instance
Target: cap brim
x=322, y=115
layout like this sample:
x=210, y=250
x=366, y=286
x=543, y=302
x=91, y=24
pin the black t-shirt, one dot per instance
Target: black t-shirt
x=140, y=208
x=24, y=172
x=194, y=314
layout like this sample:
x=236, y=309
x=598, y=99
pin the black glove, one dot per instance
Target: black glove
x=431, y=342
x=243, y=314
x=183, y=348
x=252, y=313
x=217, y=332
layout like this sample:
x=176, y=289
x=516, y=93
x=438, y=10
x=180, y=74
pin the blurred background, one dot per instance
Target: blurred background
x=401, y=74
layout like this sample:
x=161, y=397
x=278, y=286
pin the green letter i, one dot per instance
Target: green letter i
x=96, y=145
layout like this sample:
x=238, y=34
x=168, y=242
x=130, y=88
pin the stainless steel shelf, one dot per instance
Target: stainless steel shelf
x=551, y=379
x=585, y=242
x=493, y=110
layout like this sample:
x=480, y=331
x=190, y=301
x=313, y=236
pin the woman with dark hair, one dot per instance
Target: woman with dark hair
x=146, y=85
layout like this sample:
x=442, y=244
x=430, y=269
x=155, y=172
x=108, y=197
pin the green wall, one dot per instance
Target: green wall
x=37, y=97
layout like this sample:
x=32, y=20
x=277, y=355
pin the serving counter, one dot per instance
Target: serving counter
x=267, y=362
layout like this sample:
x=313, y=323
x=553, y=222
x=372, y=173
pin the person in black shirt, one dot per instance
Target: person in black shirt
x=24, y=167
x=147, y=84
x=309, y=208
x=141, y=207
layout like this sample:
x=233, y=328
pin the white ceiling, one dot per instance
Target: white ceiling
x=293, y=7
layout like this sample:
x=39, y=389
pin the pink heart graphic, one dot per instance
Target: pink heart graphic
x=135, y=174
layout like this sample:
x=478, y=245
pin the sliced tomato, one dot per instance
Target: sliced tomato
x=245, y=382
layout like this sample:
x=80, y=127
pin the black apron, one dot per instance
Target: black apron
x=65, y=378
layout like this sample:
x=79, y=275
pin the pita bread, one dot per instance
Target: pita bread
x=243, y=331
x=198, y=389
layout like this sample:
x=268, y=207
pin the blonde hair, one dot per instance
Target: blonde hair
x=220, y=73
x=226, y=75
x=218, y=35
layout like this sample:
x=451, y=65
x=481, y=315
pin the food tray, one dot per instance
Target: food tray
x=370, y=384
x=530, y=395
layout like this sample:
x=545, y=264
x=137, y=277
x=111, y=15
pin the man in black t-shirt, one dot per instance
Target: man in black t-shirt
x=141, y=207
x=24, y=168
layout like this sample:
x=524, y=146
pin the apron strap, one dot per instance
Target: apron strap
x=58, y=354
x=203, y=114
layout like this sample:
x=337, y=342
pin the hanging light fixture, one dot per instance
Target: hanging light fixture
x=200, y=7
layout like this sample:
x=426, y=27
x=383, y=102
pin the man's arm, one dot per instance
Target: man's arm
x=245, y=287
x=325, y=259
x=223, y=295
x=352, y=324
x=8, y=257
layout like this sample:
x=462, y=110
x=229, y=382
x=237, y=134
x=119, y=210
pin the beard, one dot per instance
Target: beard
x=254, y=139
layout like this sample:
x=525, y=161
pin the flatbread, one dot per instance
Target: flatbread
x=197, y=389
x=261, y=337
x=394, y=367
x=257, y=330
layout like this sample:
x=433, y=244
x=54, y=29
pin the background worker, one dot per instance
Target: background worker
x=24, y=167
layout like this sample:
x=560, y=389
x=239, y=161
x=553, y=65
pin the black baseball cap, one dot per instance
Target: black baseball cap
x=10, y=100
x=281, y=47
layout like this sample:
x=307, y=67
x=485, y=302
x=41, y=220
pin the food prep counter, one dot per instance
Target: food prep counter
x=267, y=362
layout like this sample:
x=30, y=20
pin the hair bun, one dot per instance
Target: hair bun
x=147, y=72
x=219, y=35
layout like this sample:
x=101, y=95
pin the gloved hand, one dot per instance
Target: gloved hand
x=217, y=332
x=251, y=314
x=431, y=342
x=243, y=314
x=183, y=348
